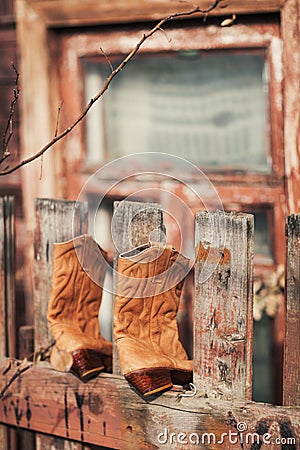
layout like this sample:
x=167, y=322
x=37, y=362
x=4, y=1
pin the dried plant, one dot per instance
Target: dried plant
x=269, y=293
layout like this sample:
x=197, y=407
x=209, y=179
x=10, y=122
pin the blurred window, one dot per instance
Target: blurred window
x=208, y=107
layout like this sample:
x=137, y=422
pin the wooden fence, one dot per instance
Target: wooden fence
x=66, y=414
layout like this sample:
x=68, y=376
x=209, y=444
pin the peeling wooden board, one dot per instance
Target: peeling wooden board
x=62, y=405
x=59, y=12
x=291, y=378
x=106, y=411
x=223, y=306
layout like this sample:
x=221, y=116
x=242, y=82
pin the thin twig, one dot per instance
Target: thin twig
x=57, y=118
x=107, y=59
x=41, y=168
x=24, y=365
x=8, y=132
x=104, y=88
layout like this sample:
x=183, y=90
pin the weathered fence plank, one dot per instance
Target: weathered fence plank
x=56, y=221
x=7, y=292
x=2, y=282
x=134, y=224
x=107, y=412
x=291, y=379
x=223, y=317
x=26, y=337
x=7, y=267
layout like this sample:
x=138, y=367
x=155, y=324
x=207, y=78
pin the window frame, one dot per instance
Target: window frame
x=75, y=47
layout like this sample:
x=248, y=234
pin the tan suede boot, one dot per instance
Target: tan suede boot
x=78, y=272
x=149, y=286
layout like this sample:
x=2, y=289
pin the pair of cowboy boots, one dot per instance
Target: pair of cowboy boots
x=149, y=285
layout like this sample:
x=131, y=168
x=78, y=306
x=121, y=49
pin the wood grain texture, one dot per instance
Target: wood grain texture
x=56, y=221
x=134, y=224
x=9, y=224
x=107, y=412
x=223, y=317
x=290, y=28
x=26, y=342
x=58, y=12
x=291, y=379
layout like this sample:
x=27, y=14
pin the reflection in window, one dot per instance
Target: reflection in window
x=208, y=107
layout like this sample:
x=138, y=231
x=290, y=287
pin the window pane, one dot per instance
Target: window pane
x=208, y=107
x=262, y=239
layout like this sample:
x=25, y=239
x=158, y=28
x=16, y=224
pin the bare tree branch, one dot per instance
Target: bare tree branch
x=157, y=27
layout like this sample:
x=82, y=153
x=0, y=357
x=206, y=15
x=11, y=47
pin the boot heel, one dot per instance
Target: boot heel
x=150, y=381
x=181, y=377
x=87, y=363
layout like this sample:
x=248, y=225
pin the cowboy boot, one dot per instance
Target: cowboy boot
x=78, y=272
x=149, y=285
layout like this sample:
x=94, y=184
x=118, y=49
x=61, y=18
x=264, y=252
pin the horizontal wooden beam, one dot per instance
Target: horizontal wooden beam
x=107, y=412
x=78, y=12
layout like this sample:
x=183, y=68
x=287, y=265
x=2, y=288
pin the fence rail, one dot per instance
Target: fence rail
x=106, y=411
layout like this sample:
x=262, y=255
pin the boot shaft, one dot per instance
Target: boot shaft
x=149, y=286
x=78, y=273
